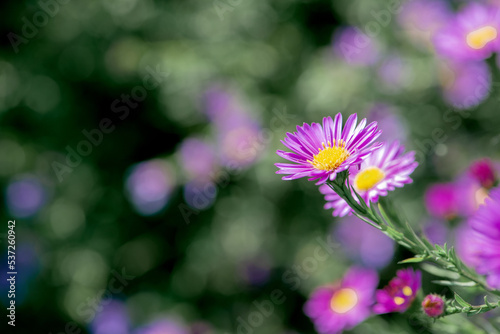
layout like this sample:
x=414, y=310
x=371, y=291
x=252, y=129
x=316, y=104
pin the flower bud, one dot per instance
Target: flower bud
x=433, y=305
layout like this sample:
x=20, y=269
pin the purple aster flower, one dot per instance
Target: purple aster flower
x=467, y=247
x=320, y=152
x=472, y=35
x=465, y=84
x=364, y=244
x=385, y=170
x=433, y=305
x=442, y=201
x=355, y=47
x=484, y=172
x=345, y=304
x=486, y=231
x=398, y=295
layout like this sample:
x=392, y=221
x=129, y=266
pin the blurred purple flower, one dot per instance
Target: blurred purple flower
x=344, y=305
x=398, y=295
x=473, y=34
x=25, y=196
x=467, y=247
x=113, y=318
x=395, y=72
x=198, y=158
x=485, y=224
x=436, y=231
x=484, y=172
x=465, y=84
x=441, y=200
x=255, y=271
x=200, y=194
x=364, y=244
x=355, y=47
x=388, y=120
x=241, y=145
x=149, y=185
x=163, y=326
x=422, y=18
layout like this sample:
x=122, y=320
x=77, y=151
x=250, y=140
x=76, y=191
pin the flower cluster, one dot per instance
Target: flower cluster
x=345, y=304
x=321, y=152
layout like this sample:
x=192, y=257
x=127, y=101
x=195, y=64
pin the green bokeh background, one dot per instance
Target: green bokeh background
x=274, y=55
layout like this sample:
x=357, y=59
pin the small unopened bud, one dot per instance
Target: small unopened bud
x=433, y=305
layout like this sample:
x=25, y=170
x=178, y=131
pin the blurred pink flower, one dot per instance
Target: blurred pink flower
x=344, y=305
x=398, y=295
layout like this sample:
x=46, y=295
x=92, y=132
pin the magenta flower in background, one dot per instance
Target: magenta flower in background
x=149, y=185
x=197, y=158
x=163, y=326
x=392, y=125
x=441, y=200
x=200, y=193
x=485, y=224
x=465, y=84
x=433, y=305
x=240, y=145
x=343, y=305
x=220, y=104
x=398, y=295
x=319, y=153
x=422, y=18
x=385, y=170
x=364, y=244
x=472, y=35
x=467, y=247
x=484, y=171
x=355, y=47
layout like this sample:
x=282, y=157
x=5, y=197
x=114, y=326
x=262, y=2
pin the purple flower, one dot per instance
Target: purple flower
x=485, y=224
x=197, y=158
x=484, y=172
x=433, y=305
x=388, y=120
x=149, y=185
x=364, y=244
x=465, y=84
x=436, y=231
x=472, y=35
x=320, y=152
x=355, y=47
x=112, y=319
x=385, y=170
x=398, y=295
x=343, y=305
x=25, y=197
x=422, y=18
x=441, y=200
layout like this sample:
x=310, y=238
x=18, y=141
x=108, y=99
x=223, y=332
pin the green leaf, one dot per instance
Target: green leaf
x=413, y=260
x=461, y=301
x=454, y=283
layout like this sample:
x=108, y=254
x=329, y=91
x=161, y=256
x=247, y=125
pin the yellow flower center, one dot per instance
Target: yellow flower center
x=367, y=178
x=343, y=300
x=399, y=300
x=478, y=39
x=407, y=291
x=330, y=157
